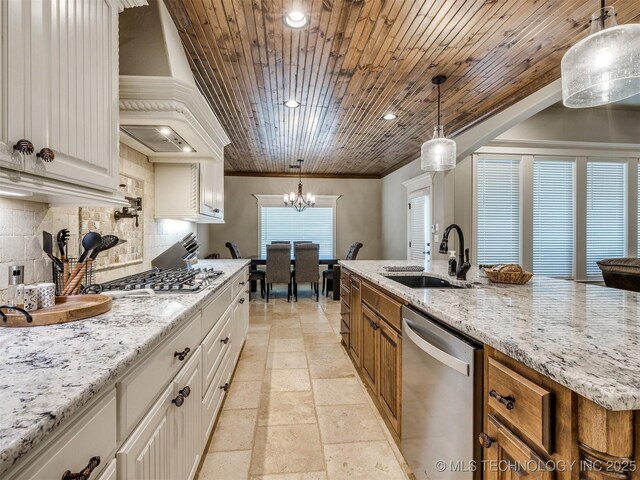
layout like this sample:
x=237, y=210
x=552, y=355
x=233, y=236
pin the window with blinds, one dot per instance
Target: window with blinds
x=498, y=210
x=418, y=218
x=606, y=212
x=553, y=217
x=286, y=224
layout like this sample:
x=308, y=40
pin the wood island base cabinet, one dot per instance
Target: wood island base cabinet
x=154, y=421
x=533, y=427
x=371, y=336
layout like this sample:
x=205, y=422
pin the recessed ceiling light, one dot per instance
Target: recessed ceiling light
x=291, y=104
x=165, y=130
x=390, y=116
x=187, y=149
x=295, y=19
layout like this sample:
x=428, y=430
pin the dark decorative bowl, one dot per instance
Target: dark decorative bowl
x=622, y=273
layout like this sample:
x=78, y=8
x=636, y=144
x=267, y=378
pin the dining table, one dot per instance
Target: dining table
x=331, y=262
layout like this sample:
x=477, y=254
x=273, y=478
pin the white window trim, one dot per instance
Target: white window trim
x=416, y=187
x=270, y=200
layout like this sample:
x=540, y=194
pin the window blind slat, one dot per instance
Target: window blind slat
x=286, y=224
x=553, y=217
x=498, y=211
x=606, y=212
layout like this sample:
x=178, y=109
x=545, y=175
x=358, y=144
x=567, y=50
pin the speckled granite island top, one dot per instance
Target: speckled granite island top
x=49, y=373
x=585, y=337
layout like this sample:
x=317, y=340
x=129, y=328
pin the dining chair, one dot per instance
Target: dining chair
x=255, y=274
x=278, y=267
x=327, y=275
x=306, y=269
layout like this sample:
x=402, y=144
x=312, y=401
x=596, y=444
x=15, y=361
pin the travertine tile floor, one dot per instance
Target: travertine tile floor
x=296, y=409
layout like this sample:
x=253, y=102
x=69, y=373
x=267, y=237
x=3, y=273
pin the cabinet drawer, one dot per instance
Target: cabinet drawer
x=240, y=282
x=507, y=456
x=92, y=435
x=345, y=333
x=212, y=313
x=213, y=397
x=142, y=386
x=521, y=403
x=345, y=276
x=214, y=347
x=345, y=313
x=345, y=294
x=385, y=306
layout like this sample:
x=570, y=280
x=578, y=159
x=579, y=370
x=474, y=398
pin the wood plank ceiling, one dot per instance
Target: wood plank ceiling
x=360, y=59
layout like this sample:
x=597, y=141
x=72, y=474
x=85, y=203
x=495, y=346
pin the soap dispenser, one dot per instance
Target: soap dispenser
x=453, y=264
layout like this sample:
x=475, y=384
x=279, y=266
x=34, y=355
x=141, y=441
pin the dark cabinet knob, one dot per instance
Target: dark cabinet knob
x=225, y=387
x=24, y=146
x=178, y=401
x=242, y=283
x=508, y=401
x=185, y=392
x=485, y=440
x=216, y=210
x=46, y=154
x=85, y=473
x=241, y=300
x=247, y=291
x=183, y=354
x=225, y=340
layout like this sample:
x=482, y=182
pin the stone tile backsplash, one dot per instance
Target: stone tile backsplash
x=22, y=223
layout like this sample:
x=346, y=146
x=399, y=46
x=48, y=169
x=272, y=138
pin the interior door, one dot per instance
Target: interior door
x=419, y=227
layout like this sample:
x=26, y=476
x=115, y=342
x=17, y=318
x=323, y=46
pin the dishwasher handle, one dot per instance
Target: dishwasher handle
x=430, y=349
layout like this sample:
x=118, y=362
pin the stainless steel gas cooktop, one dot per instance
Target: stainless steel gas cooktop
x=179, y=280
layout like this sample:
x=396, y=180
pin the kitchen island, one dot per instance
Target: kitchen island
x=51, y=376
x=571, y=348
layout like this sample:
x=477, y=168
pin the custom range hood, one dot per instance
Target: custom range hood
x=162, y=112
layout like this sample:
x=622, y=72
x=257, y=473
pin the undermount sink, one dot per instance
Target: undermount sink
x=421, y=281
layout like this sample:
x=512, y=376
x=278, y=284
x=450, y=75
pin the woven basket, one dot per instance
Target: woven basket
x=513, y=278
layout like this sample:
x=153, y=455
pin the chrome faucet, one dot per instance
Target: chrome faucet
x=463, y=262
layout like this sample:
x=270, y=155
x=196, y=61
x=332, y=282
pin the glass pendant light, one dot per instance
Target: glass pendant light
x=604, y=67
x=439, y=153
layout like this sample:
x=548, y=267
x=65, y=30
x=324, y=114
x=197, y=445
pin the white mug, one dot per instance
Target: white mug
x=46, y=295
x=30, y=296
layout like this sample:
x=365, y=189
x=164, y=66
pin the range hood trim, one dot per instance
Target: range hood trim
x=166, y=101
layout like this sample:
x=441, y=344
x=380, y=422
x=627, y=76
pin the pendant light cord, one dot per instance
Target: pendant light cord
x=439, y=105
x=603, y=14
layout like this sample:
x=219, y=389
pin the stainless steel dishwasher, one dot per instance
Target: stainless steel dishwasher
x=441, y=400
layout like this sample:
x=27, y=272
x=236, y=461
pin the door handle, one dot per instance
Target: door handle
x=430, y=349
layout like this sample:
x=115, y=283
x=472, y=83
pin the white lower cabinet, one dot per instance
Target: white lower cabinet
x=153, y=423
x=188, y=425
x=110, y=472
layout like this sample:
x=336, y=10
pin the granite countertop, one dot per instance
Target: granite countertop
x=48, y=373
x=585, y=337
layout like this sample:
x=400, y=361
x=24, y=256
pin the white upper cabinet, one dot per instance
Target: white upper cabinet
x=60, y=79
x=190, y=191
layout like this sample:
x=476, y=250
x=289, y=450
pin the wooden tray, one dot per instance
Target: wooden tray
x=67, y=309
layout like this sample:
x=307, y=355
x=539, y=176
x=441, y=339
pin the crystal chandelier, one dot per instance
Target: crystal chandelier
x=439, y=153
x=300, y=202
x=604, y=67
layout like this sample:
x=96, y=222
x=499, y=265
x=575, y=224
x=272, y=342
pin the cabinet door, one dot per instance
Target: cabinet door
x=212, y=189
x=355, y=344
x=370, y=348
x=149, y=451
x=390, y=371
x=507, y=457
x=218, y=192
x=188, y=434
x=62, y=87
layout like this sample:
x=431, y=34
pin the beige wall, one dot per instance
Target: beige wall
x=358, y=215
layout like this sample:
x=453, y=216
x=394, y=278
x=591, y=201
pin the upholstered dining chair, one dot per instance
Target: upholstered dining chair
x=307, y=262
x=278, y=267
x=327, y=275
x=255, y=274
